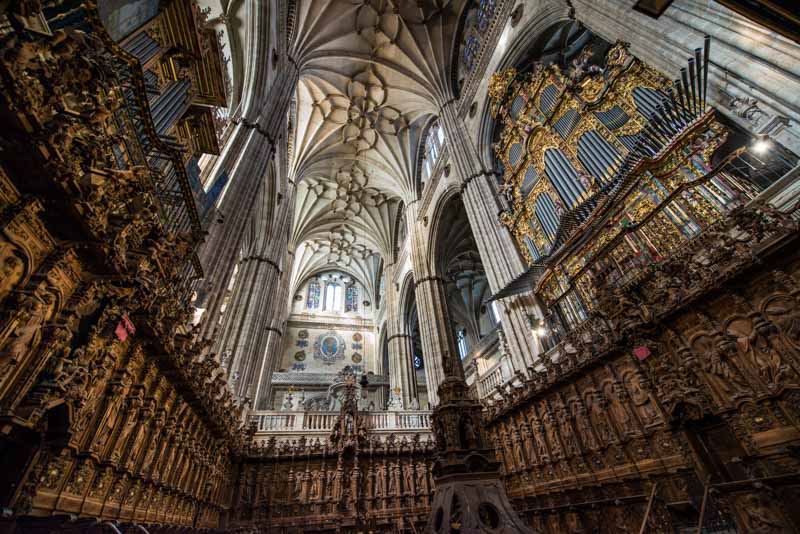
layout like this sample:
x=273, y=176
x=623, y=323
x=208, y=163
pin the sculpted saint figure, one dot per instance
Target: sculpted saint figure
x=109, y=420
x=12, y=269
x=380, y=481
x=27, y=332
x=316, y=486
x=422, y=479
x=408, y=478
x=641, y=399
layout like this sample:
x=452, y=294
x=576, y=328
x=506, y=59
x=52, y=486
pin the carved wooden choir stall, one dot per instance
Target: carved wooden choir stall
x=668, y=391
x=669, y=398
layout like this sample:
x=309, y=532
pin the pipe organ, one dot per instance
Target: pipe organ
x=610, y=168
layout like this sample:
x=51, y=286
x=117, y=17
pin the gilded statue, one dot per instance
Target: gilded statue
x=597, y=406
x=641, y=399
x=394, y=480
x=26, y=329
x=109, y=419
x=12, y=270
x=616, y=401
x=422, y=478
x=753, y=344
x=784, y=312
x=316, y=486
x=380, y=480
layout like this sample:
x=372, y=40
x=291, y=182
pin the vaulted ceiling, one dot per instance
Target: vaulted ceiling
x=373, y=73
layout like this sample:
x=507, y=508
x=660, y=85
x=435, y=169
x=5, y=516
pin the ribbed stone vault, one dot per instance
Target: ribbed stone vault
x=372, y=74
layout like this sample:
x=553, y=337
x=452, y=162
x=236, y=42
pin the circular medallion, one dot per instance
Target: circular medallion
x=329, y=347
x=357, y=337
x=302, y=334
x=356, y=358
x=300, y=355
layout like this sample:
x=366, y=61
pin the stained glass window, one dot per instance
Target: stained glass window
x=433, y=146
x=312, y=302
x=333, y=297
x=461, y=339
x=471, y=48
x=485, y=12
x=351, y=299
x=417, y=362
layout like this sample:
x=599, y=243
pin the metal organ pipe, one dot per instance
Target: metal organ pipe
x=706, y=52
x=698, y=60
x=692, y=84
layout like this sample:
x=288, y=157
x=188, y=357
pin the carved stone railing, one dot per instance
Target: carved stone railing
x=271, y=421
x=316, y=379
x=488, y=383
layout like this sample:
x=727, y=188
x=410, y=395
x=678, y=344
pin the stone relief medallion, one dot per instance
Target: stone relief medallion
x=329, y=347
x=357, y=337
x=356, y=358
x=302, y=334
x=300, y=355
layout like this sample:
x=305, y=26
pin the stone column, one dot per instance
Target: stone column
x=260, y=385
x=402, y=379
x=245, y=159
x=748, y=61
x=435, y=325
x=267, y=297
x=497, y=249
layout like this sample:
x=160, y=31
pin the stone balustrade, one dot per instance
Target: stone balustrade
x=292, y=425
x=488, y=383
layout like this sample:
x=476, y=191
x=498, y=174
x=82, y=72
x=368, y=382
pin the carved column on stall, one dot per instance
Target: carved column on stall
x=498, y=252
x=469, y=492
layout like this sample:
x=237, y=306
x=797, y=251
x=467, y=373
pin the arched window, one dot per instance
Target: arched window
x=401, y=229
x=312, y=301
x=351, y=299
x=478, y=19
x=433, y=146
x=461, y=339
x=333, y=297
x=494, y=314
